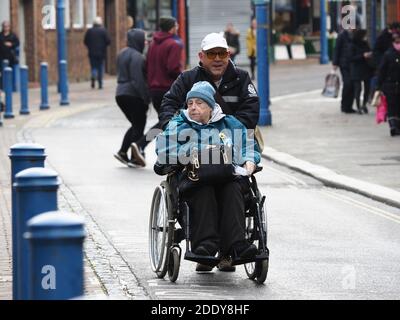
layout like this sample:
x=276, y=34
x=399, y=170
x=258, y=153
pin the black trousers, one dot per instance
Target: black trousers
x=156, y=98
x=348, y=90
x=252, y=66
x=357, y=84
x=217, y=215
x=135, y=110
x=393, y=113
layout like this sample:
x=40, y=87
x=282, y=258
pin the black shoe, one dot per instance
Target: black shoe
x=203, y=268
x=225, y=265
x=365, y=109
x=93, y=83
x=244, y=250
x=122, y=157
x=137, y=155
x=350, y=111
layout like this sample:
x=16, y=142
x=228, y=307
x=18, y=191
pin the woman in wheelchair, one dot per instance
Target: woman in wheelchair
x=216, y=156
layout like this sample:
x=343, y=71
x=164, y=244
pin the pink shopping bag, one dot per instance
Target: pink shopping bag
x=381, y=110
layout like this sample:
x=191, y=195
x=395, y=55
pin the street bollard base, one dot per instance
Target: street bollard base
x=44, y=107
x=9, y=116
x=64, y=103
x=24, y=113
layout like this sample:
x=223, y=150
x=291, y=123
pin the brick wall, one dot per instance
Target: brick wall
x=41, y=45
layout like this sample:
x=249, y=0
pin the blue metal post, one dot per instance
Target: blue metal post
x=44, y=85
x=61, y=38
x=4, y=64
x=174, y=9
x=262, y=15
x=22, y=156
x=373, y=22
x=56, y=264
x=24, y=90
x=36, y=192
x=8, y=93
x=324, y=59
x=64, y=83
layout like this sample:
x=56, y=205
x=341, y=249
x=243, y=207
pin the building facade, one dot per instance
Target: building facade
x=34, y=23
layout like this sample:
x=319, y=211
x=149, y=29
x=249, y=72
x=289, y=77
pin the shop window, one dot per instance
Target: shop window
x=77, y=19
x=91, y=12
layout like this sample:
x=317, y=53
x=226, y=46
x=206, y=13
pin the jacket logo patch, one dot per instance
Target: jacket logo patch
x=252, y=90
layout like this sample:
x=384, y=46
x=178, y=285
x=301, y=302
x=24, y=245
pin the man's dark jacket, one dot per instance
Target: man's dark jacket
x=97, y=40
x=342, y=52
x=236, y=89
x=9, y=53
x=382, y=44
x=389, y=72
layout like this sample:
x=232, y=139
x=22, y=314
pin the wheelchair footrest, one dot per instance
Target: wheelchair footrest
x=206, y=260
x=257, y=258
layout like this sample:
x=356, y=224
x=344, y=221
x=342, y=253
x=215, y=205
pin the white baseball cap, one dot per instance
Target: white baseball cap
x=213, y=40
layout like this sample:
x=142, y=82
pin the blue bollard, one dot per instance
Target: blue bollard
x=44, y=84
x=56, y=261
x=8, y=114
x=324, y=58
x=16, y=74
x=22, y=156
x=24, y=90
x=36, y=192
x=4, y=64
x=64, y=83
x=263, y=25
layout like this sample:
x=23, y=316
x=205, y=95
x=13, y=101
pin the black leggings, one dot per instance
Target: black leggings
x=156, y=97
x=135, y=110
x=357, y=91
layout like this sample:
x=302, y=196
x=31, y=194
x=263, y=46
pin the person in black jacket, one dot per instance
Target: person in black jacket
x=341, y=60
x=360, y=70
x=132, y=94
x=9, y=43
x=97, y=40
x=232, y=38
x=235, y=93
x=384, y=42
x=389, y=83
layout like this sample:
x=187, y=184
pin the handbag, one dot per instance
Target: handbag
x=332, y=85
x=381, y=110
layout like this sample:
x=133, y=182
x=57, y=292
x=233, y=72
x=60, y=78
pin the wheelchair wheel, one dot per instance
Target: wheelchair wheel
x=174, y=264
x=159, y=235
x=257, y=270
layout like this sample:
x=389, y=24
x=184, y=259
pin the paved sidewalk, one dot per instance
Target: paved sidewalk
x=348, y=151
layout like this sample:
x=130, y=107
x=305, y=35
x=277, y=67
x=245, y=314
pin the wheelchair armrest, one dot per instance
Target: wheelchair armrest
x=164, y=169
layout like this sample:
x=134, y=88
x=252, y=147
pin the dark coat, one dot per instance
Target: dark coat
x=9, y=53
x=389, y=72
x=97, y=40
x=341, y=54
x=131, y=68
x=360, y=68
x=382, y=44
x=233, y=41
x=236, y=89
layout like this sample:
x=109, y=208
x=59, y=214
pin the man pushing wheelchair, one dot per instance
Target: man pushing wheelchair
x=216, y=155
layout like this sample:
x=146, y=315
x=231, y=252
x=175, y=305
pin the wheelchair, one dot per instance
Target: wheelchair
x=167, y=211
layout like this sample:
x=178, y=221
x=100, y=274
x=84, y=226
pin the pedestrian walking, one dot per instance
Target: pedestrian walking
x=384, y=42
x=9, y=44
x=132, y=94
x=232, y=38
x=361, y=70
x=341, y=60
x=97, y=40
x=389, y=83
x=251, y=40
x=164, y=65
x=234, y=92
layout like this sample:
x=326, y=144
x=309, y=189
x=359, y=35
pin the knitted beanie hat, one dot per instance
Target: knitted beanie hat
x=203, y=90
